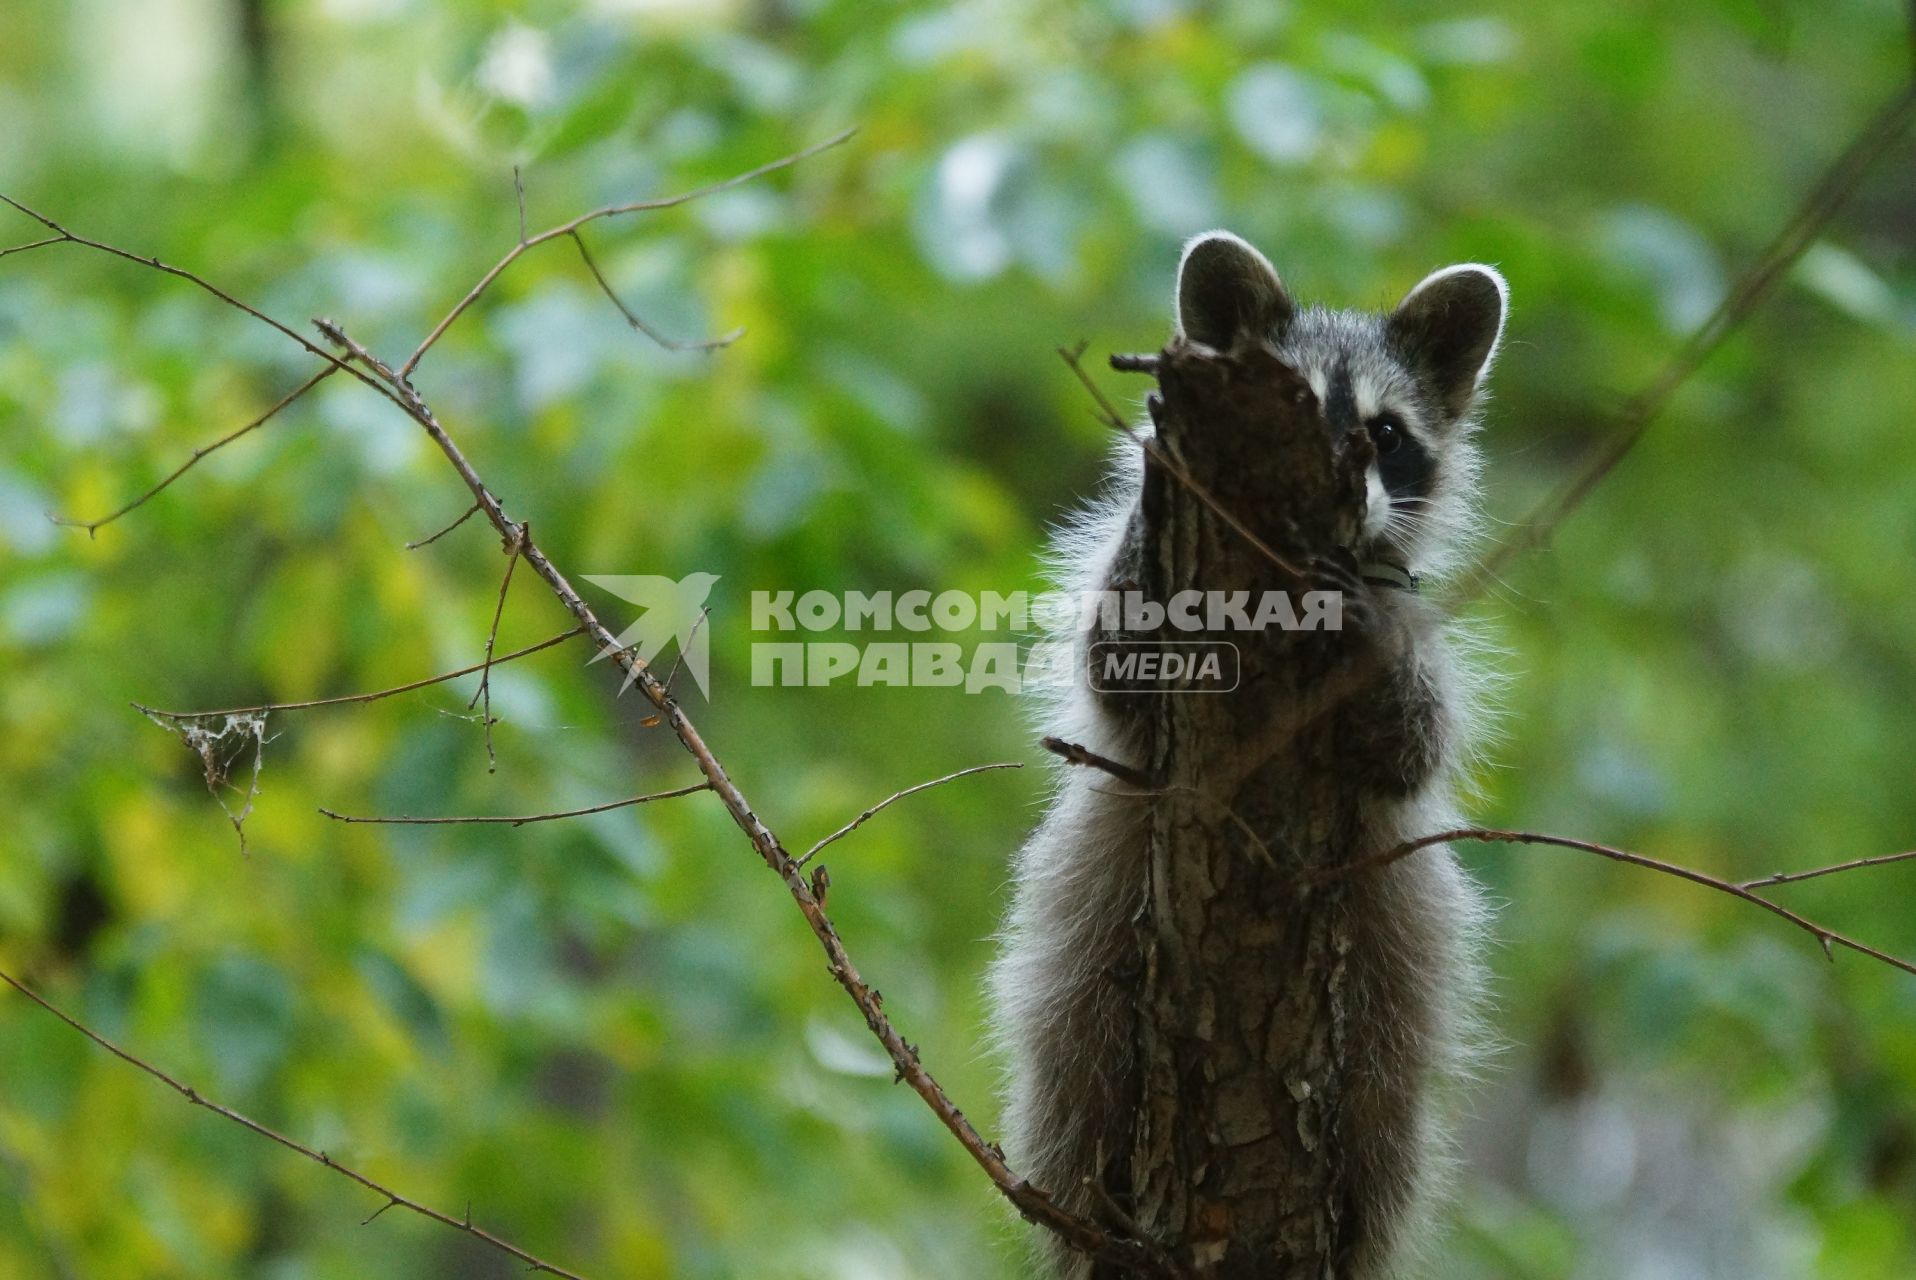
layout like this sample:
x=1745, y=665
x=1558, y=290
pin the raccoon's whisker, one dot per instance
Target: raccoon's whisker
x=1403, y=529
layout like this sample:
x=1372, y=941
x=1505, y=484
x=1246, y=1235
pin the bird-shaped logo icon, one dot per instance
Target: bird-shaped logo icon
x=670, y=610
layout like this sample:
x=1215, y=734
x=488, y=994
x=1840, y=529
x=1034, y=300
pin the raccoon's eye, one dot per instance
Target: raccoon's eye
x=1386, y=435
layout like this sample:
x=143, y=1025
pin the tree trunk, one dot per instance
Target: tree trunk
x=1243, y=1004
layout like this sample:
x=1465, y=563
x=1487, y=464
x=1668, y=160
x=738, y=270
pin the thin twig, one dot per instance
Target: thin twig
x=1079, y=754
x=342, y=699
x=93, y=526
x=894, y=798
x=1831, y=192
x=609, y=211
x=37, y=244
x=1826, y=937
x=1113, y=1211
x=1238, y=820
x=1140, y=788
x=484, y=691
x=1109, y=415
x=1107, y=411
x=1792, y=877
x=519, y=193
x=198, y=1099
x=64, y=236
x=632, y=317
x=426, y=542
x=508, y=821
x=407, y=397
x=1144, y=1257
x=691, y=634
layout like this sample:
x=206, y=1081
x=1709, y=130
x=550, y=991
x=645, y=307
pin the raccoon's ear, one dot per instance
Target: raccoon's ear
x=1449, y=326
x=1226, y=287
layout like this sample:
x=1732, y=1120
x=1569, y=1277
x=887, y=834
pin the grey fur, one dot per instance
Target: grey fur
x=1067, y=1027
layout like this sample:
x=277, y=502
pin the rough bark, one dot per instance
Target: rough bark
x=1242, y=999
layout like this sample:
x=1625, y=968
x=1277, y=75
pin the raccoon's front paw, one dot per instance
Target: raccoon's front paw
x=1357, y=615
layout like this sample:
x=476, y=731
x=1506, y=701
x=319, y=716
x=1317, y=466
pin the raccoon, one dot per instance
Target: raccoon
x=1063, y=1009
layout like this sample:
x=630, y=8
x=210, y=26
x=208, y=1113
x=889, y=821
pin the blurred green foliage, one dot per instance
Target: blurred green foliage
x=613, y=1037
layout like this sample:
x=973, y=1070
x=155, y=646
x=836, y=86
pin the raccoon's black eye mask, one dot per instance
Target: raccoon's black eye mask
x=1406, y=467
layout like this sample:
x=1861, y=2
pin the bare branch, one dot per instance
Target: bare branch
x=1107, y=411
x=1144, y=1257
x=1142, y=788
x=894, y=798
x=266, y=707
x=1825, y=937
x=406, y=397
x=93, y=526
x=484, y=691
x=610, y=211
x=36, y=244
x=1108, y=1205
x=1034, y=1204
x=1827, y=198
x=519, y=192
x=64, y=236
x=198, y=1099
x=522, y=821
x=1077, y=753
x=1792, y=877
x=679, y=657
x=426, y=542
x=1109, y=415
x=632, y=317
x=1238, y=820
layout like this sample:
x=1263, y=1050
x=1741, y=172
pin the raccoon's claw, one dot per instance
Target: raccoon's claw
x=1337, y=570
